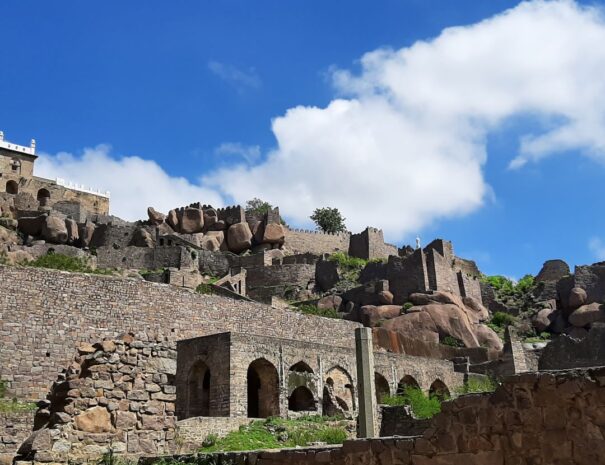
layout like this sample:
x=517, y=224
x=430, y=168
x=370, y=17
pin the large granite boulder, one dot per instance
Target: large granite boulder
x=172, y=219
x=475, y=310
x=274, y=234
x=239, y=237
x=155, y=217
x=210, y=243
x=330, y=302
x=73, y=233
x=543, y=319
x=191, y=220
x=54, y=230
x=142, y=238
x=418, y=325
x=452, y=321
x=370, y=315
x=587, y=314
x=577, y=297
x=487, y=337
x=85, y=233
x=439, y=297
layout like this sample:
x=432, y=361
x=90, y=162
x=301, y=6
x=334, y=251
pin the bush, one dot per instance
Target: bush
x=57, y=261
x=477, y=385
x=451, y=341
x=407, y=306
x=258, y=206
x=205, y=288
x=502, y=320
x=346, y=262
x=329, y=220
x=315, y=310
x=422, y=405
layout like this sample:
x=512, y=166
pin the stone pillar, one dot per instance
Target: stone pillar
x=365, y=382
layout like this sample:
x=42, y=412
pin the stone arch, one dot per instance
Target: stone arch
x=301, y=367
x=198, y=390
x=407, y=381
x=439, y=389
x=381, y=386
x=302, y=400
x=43, y=194
x=263, y=389
x=12, y=187
x=338, y=393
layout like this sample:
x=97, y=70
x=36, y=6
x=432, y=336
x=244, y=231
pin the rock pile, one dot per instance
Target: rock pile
x=116, y=394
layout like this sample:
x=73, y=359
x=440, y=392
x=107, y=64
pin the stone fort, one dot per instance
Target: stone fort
x=197, y=328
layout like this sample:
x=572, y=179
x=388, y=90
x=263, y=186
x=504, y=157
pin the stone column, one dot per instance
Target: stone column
x=365, y=382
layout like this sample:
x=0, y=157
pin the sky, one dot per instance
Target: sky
x=478, y=122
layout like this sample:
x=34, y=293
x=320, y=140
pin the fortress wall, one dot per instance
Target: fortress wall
x=316, y=242
x=45, y=313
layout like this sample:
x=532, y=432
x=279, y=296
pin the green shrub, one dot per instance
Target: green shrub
x=477, y=385
x=308, y=309
x=451, y=341
x=57, y=261
x=407, y=306
x=204, y=288
x=346, y=262
x=502, y=319
x=422, y=405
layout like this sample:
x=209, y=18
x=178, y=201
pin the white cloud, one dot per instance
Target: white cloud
x=249, y=153
x=134, y=183
x=236, y=77
x=406, y=142
x=597, y=247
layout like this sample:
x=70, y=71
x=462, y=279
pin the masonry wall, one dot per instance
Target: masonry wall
x=301, y=241
x=14, y=429
x=45, y=313
x=264, y=282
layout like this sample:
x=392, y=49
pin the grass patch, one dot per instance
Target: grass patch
x=315, y=310
x=542, y=337
x=14, y=405
x=274, y=433
x=205, y=288
x=57, y=261
x=422, y=405
x=451, y=341
x=477, y=385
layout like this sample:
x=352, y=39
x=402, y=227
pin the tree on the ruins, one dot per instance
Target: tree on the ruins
x=329, y=220
x=258, y=206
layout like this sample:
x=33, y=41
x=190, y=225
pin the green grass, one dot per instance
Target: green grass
x=542, y=337
x=57, y=261
x=274, y=433
x=314, y=310
x=347, y=262
x=451, y=341
x=204, y=288
x=14, y=405
x=477, y=385
x=422, y=405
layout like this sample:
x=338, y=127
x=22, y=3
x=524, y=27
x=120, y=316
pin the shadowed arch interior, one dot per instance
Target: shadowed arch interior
x=198, y=390
x=407, y=382
x=382, y=387
x=12, y=187
x=301, y=367
x=302, y=400
x=439, y=389
x=263, y=389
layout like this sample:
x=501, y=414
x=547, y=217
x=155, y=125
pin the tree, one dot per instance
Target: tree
x=258, y=206
x=329, y=220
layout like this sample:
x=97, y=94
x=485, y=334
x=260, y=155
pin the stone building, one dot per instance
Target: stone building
x=17, y=176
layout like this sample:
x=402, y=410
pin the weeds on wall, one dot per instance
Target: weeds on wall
x=315, y=310
x=477, y=385
x=422, y=406
x=274, y=433
x=57, y=261
x=13, y=405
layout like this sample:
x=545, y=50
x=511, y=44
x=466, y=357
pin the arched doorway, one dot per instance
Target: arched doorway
x=407, y=382
x=198, y=390
x=43, y=196
x=301, y=367
x=302, y=400
x=439, y=389
x=263, y=389
x=382, y=387
x=338, y=394
x=12, y=187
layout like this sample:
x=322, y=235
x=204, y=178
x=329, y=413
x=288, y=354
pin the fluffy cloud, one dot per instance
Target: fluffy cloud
x=597, y=247
x=405, y=142
x=134, y=183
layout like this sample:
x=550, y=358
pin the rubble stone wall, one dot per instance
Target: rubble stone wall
x=14, y=429
x=45, y=313
x=300, y=241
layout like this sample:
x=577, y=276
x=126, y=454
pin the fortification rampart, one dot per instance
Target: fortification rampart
x=45, y=313
x=316, y=242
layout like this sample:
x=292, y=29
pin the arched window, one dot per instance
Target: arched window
x=302, y=400
x=407, y=382
x=439, y=389
x=12, y=187
x=43, y=194
x=382, y=387
x=198, y=390
x=338, y=394
x=301, y=367
x=263, y=389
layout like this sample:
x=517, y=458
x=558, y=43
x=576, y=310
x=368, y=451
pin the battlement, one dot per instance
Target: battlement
x=31, y=150
x=81, y=188
x=320, y=233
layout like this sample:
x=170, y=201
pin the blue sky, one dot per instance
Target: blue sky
x=182, y=96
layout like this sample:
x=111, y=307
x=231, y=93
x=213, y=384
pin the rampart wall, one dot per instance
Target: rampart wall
x=301, y=241
x=44, y=314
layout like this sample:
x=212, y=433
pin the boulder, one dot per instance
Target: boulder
x=210, y=243
x=239, y=237
x=85, y=233
x=577, y=297
x=17, y=257
x=385, y=297
x=73, y=233
x=543, y=319
x=32, y=226
x=191, y=221
x=417, y=325
x=172, y=219
x=552, y=270
x=330, y=302
x=54, y=230
x=587, y=314
x=370, y=315
x=452, y=321
x=475, y=310
x=487, y=337
x=219, y=225
x=142, y=238
x=218, y=235
x=155, y=217
x=274, y=234
x=576, y=333
x=94, y=420
x=436, y=297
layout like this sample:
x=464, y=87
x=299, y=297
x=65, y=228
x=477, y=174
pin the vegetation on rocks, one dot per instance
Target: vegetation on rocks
x=13, y=405
x=274, y=433
x=57, y=261
x=476, y=385
x=315, y=310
